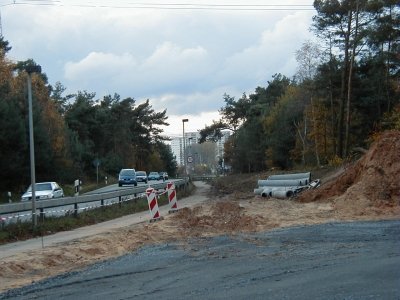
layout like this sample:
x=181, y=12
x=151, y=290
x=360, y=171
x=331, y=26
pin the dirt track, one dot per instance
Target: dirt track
x=204, y=216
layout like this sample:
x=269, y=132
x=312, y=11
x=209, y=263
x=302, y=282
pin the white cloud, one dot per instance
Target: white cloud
x=167, y=68
x=193, y=103
x=195, y=123
x=99, y=65
x=183, y=61
x=171, y=65
x=173, y=54
x=273, y=53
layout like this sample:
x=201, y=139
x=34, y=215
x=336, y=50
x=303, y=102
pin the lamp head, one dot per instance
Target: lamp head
x=33, y=69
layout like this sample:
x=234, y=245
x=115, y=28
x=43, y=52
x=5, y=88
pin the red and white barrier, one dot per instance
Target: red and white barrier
x=153, y=204
x=172, y=197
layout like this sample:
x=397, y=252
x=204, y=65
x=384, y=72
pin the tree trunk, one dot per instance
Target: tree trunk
x=333, y=115
x=315, y=133
x=302, y=139
x=349, y=85
x=343, y=85
x=387, y=77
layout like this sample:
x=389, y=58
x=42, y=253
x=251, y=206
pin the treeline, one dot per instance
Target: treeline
x=73, y=133
x=346, y=90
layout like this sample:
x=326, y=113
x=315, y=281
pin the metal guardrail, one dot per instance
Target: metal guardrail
x=75, y=200
x=202, y=177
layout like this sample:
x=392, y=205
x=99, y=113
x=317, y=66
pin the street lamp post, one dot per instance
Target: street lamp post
x=190, y=154
x=194, y=163
x=184, y=144
x=32, y=69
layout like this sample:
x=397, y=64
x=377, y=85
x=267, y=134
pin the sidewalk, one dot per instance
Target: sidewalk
x=66, y=236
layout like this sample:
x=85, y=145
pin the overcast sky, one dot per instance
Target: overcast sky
x=182, y=55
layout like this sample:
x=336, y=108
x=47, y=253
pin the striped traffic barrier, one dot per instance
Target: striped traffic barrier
x=172, y=197
x=153, y=205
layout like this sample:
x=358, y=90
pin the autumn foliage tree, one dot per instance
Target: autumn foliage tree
x=346, y=88
x=73, y=132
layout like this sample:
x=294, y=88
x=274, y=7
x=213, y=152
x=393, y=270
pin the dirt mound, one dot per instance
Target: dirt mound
x=371, y=181
x=224, y=216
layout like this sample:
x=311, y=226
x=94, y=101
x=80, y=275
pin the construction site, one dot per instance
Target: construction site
x=364, y=190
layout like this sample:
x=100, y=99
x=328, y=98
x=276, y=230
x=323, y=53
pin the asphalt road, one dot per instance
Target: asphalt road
x=62, y=210
x=332, y=261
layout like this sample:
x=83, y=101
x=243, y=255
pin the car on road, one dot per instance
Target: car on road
x=127, y=176
x=44, y=190
x=154, y=176
x=163, y=175
x=141, y=176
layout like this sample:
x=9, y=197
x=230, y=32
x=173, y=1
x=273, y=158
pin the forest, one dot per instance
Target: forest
x=346, y=91
x=73, y=134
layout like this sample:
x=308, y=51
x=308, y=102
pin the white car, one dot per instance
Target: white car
x=44, y=190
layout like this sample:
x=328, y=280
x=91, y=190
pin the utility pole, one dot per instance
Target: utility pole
x=30, y=70
x=184, y=145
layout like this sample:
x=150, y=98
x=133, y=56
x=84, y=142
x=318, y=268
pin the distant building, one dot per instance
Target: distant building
x=177, y=145
x=176, y=148
x=192, y=138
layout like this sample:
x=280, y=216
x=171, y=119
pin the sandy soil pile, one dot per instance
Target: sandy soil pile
x=368, y=190
x=221, y=217
x=372, y=184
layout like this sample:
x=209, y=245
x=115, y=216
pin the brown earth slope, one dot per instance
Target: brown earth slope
x=367, y=190
x=372, y=184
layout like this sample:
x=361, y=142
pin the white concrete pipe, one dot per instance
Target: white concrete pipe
x=258, y=191
x=288, y=182
x=281, y=194
x=266, y=192
x=302, y=176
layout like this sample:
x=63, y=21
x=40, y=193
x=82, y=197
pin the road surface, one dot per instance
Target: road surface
x=359, y=260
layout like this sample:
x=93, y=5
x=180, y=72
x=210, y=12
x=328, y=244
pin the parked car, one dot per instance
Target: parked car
x=163, y=175
x=127, y=176
x=44, y=190
x=153, y=176
x=141, y=176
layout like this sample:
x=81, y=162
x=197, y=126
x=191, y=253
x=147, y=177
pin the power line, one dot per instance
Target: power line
x=170, y=6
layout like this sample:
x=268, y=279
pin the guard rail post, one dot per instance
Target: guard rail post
x=41, y=215
x=75, y=210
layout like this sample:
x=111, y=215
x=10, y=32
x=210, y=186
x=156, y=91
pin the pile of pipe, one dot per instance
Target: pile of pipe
x=285, y=185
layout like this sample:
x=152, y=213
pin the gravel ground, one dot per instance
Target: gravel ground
x=351, y=260
x=340, y=241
